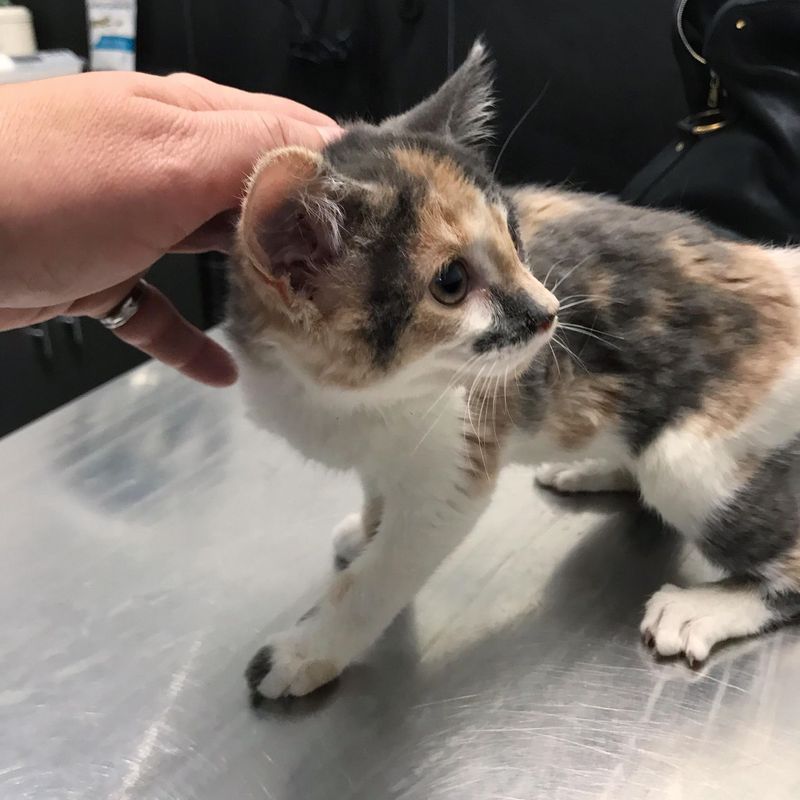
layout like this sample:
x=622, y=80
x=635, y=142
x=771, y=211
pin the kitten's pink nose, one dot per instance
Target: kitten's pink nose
x=548, y=321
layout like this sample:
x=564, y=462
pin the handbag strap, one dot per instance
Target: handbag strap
x=713, y=97
x=680, y=9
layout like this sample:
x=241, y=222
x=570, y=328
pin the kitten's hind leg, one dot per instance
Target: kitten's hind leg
x=745, y=518
x=690, y=622
x=354, y=532
x=592, y=475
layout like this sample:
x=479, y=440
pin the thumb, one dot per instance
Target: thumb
x=232, y=141
x=224, y=148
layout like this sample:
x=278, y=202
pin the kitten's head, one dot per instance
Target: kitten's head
x=392, y=259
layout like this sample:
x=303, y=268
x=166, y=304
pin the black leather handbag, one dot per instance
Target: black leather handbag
x=736, y=159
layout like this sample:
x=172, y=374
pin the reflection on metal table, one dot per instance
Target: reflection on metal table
x=152, y=538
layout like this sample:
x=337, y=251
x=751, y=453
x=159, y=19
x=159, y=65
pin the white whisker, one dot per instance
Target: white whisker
x=495, y=392
x=575, y=326
x=484, y=402
x=552, y=267
x=569, y=272
x=451, y=383
x=469, y=399
x=581, y=331
x=517, y=126
x=562, y=345
x=555, y=358
x=505, y=394
x=567, y=306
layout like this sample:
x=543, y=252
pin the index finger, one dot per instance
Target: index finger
x=160, y=331
x=193, y=93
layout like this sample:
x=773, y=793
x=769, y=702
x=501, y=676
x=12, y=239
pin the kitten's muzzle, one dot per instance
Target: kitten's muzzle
x=518, y=318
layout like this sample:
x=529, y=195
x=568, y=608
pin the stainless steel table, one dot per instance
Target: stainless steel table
x=151, y=538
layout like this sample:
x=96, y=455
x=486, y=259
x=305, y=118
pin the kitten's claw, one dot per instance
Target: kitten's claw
x=283, y=669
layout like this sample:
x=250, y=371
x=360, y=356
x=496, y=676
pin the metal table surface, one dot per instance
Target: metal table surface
x=151, y=538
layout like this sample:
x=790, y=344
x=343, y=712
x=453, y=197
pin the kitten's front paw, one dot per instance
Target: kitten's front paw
x=349, y=539
x=673, y=625
x=285, y=668
x=561, y=477
x=585, y=476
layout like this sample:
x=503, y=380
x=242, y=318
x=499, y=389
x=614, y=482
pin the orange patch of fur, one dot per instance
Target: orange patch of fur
x=539, y=206
x=484, y=428
x=447, y=216
x=373, y=511
x=583, y=407
x=748, y=273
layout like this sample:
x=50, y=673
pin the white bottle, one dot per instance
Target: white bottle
x=16, y=31
x=112, y=34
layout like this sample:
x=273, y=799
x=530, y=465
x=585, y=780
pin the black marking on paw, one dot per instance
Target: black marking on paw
x=258, y=668
x=340, y=563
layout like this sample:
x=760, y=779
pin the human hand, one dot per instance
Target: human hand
x=102, y=174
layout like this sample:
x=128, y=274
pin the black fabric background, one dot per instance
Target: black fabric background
x=614, y=90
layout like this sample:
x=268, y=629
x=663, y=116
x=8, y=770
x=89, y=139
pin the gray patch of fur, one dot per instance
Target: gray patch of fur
x=461, y=109
x=664, y=368
x=762, y=521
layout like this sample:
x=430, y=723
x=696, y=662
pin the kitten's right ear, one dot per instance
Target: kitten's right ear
x=290, y=226
x=461, y=109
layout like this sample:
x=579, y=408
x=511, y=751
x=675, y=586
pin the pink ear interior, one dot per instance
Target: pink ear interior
x=283, y=176
x=283, y=239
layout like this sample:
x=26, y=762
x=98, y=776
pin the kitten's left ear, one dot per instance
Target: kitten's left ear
x=291, y=224
x=461, y=109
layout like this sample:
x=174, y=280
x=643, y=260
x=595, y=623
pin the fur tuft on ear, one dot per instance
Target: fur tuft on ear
x=291, y=223
x=461, y=109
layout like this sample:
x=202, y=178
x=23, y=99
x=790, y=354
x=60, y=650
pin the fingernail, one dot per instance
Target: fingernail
x=330, y=133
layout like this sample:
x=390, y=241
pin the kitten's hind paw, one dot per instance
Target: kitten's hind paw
x=690, y=622
x=585, y=476
x=280, y=669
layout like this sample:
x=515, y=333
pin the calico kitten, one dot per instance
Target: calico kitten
x=390, y=313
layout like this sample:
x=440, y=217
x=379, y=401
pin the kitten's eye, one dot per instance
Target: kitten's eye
x=450, y=285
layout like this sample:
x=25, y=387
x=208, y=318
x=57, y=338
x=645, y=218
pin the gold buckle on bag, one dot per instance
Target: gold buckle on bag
x=704, y=122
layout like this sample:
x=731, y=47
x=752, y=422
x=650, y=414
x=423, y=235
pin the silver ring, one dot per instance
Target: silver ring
x=123, y=313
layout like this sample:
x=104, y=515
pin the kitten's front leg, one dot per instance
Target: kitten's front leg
x=420, y=525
